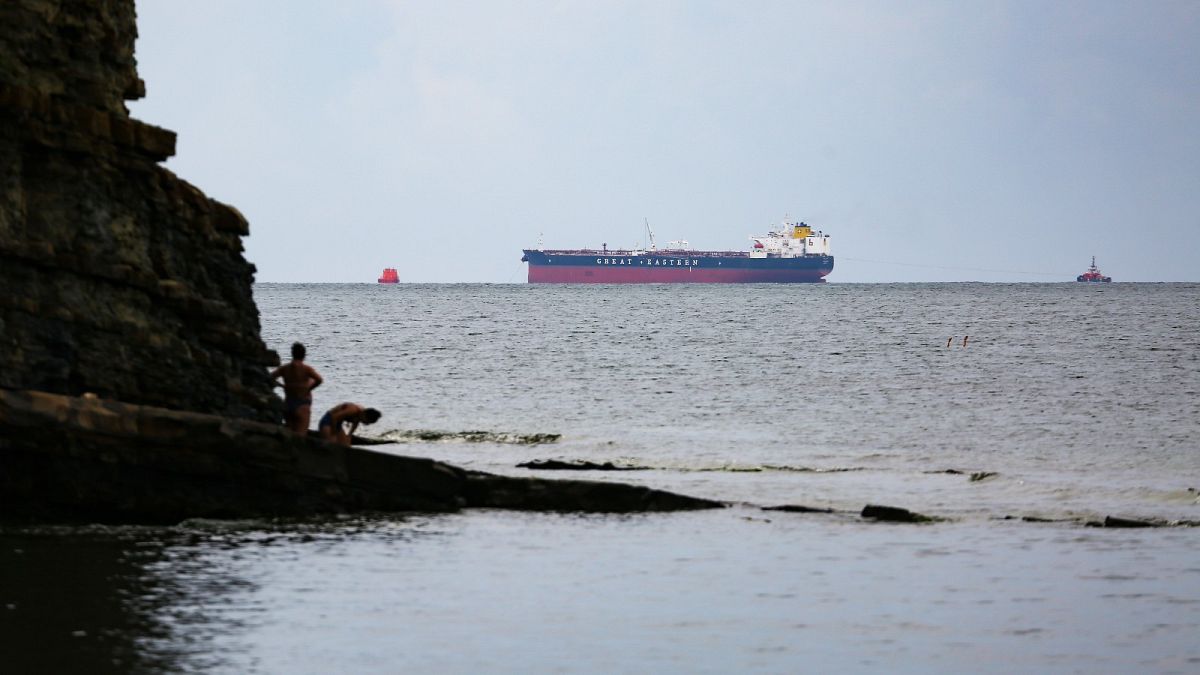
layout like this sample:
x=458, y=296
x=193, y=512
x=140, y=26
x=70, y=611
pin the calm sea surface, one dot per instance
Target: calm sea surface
x=1082, y=400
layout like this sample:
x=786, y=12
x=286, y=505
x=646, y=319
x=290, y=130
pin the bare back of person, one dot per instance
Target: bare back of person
x=298, y=378
x=331, y=427
x=298, y=381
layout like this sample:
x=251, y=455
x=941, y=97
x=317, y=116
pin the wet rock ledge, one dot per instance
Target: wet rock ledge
x=75, y=459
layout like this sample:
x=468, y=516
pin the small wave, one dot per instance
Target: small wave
x=756, y=468
x=560, y=465
x=974, y=477
x=427, y=436
x=585, y=465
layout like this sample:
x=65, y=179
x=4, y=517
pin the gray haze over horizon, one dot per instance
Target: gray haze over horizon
x=934, y=141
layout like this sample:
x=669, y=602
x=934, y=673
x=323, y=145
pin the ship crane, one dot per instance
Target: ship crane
x=650, y=234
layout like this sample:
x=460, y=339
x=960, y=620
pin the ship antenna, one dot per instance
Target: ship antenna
x=650, y=232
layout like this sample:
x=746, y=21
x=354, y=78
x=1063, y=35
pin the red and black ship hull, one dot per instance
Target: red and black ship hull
x=604, y=267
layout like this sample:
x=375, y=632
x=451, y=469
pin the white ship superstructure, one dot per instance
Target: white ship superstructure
x=793, y=240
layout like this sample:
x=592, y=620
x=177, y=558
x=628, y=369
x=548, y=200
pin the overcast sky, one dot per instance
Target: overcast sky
x=934, y=141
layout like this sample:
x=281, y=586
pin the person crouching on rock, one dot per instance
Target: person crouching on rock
x=299, y=380
x=331, y=425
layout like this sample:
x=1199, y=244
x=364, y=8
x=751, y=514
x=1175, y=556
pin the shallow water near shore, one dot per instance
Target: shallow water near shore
x=1070, y=402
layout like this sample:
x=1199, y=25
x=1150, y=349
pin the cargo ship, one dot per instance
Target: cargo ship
x=793, y=253
x=389, y=276
x=1093, y=274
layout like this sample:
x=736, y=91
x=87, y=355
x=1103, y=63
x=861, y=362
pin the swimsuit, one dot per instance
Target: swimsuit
x=294, y=404
x=328, y=420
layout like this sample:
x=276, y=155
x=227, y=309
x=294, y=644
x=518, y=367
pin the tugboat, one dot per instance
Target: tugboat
x=1093, y=274
x=389, y=276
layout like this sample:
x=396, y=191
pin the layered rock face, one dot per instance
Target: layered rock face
x=119, y=279
x=116, y=277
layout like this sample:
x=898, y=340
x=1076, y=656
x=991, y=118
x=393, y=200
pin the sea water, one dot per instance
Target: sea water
x=1067, y=403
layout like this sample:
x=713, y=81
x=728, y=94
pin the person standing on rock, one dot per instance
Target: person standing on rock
x=331, y=429
x=299, y=380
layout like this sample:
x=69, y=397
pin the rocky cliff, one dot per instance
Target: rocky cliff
x=116, y=276
x=133, y=380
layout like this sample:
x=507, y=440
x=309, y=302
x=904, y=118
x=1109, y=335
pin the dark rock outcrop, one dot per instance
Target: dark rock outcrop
x=532, y=494
x=894, y=514
x=974, y=477
x=118, y=277
x=798, y=508
x=64, y=458
x=73, y=459
x=1113, y=521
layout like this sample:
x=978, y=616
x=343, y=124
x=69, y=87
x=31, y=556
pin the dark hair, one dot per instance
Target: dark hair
x=371, y=416
x=298, y=351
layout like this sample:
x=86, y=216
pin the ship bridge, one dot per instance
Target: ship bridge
x=793, y=240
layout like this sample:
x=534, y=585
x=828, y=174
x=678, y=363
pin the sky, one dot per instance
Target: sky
x=933, y=141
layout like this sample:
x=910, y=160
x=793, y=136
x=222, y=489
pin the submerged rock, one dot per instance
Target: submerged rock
x=894, y=514
x=534, y=494
x=974, y=477
x=367, y=440
x=1039, y=519
x=1112, y=521
x=559, y=465
x=797, y=508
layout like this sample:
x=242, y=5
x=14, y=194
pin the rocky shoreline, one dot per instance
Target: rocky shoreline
x=89, y=460
x=75, y=459
x=124, y=281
